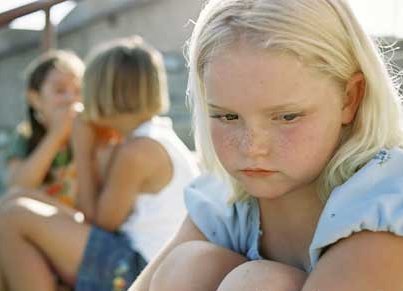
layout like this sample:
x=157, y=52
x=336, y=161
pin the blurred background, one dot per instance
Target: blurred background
x=29, y=27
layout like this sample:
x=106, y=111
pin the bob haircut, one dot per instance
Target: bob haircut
x=126, y=76
x=326, y=36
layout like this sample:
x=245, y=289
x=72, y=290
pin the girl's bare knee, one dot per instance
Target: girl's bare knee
x=195, y=265
x=22, y=214
x=265, y=276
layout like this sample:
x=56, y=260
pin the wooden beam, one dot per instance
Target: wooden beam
x=8, y=16
x=49, y=36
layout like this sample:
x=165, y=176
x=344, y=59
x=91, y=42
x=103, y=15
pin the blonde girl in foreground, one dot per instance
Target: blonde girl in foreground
x=298, y=122
x=129, y=208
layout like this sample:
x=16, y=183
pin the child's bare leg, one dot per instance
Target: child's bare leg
x=13, y=193
x=3, y=286
x=32, y=234
x=16, y=254
x=62, y=287
x=263, y=276
x=196, y=266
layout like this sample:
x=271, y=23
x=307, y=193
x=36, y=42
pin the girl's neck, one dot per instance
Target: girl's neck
x=288, y=224
x=301, y=204
x=126, y=128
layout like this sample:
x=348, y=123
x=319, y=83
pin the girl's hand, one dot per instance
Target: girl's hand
x=61, y=121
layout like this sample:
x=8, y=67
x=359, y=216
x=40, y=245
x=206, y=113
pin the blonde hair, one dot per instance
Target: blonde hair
x=125, y=76
x=325, y=35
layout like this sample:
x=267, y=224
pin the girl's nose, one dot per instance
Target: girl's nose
x=255, y=143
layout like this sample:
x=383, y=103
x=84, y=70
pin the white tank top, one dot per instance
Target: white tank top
x=157, y=216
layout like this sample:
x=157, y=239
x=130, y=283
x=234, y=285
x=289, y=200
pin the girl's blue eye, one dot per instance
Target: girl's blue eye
x=288, y=117
x=225, y=117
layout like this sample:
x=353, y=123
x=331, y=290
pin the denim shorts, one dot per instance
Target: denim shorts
x=109, y=263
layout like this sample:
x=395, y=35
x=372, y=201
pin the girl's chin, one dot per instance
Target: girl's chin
x=262, y=192
x=265, y=195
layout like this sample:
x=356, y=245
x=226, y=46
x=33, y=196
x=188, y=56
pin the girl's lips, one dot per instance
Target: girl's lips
x=257, y=172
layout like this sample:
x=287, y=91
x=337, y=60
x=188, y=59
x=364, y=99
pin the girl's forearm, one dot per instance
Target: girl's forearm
x=84, y=149
x=87, y=185
x=31, y=172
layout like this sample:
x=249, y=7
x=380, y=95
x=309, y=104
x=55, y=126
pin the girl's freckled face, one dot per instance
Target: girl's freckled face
x=271, y=113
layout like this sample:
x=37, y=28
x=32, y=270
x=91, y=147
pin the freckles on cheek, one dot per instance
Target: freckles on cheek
x=224, y=140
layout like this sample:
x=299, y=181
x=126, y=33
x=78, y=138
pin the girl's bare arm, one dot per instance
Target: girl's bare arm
x=133, y=164
x=31, y=172
x=83, y=141
x=361, y=262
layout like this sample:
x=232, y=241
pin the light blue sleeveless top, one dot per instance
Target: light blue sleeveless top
x=372, y=199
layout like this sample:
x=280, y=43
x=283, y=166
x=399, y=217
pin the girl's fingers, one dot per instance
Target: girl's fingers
x=66, y=102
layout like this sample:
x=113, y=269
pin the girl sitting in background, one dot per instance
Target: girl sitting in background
x=128, y=210
x=40, y=156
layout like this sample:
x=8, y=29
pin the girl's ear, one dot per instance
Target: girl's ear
x=355, y=91
x=34, y=99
